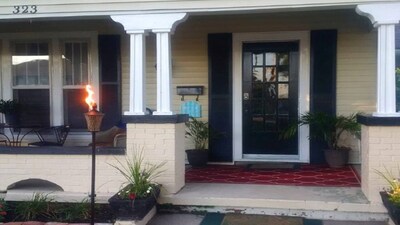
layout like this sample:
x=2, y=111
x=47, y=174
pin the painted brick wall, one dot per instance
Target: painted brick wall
x=380, y=149
x=71, y=172
x=160, y=142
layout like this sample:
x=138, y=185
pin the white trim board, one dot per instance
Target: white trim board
x=303, y=96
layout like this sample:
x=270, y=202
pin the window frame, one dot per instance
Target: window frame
x=56, y=87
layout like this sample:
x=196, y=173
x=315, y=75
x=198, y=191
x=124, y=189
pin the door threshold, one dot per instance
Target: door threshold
x=271, y=158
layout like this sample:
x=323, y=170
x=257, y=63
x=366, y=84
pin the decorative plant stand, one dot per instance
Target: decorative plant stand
x=394, y=211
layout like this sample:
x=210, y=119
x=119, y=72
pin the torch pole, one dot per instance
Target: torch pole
x=92, y=195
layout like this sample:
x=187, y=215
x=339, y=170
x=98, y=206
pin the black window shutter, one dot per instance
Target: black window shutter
x=323, y=81
x=220, y=95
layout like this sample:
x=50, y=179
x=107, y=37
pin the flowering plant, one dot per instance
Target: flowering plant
x=394, y=186
x=3, y=209
x=139, y=177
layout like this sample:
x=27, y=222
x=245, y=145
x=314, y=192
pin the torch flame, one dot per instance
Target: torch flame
x=89, y=100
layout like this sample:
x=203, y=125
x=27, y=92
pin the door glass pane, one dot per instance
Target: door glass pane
x=283, y=59
x=283, y=91
x=283, y=76
x=270, y=91
x=270, y=59
x=258, y=74
x=257, y=59
x=257, y=90
x=270, y=107
x=283, y=108
x=270, y=74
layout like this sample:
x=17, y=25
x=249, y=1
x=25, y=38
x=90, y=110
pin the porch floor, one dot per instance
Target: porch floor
x=301, y=175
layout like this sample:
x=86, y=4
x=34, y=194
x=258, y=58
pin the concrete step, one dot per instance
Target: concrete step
x=323, y=203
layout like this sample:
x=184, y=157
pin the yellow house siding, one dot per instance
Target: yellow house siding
x=356, y=55
x=356, y=72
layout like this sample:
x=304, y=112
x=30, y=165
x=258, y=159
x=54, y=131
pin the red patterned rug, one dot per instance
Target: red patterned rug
x=305, y=175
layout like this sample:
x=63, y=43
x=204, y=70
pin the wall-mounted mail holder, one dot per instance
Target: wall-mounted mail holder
x=189, y=90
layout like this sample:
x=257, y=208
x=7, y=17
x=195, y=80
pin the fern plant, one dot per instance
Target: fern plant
x=199, y=132
x=326, y=127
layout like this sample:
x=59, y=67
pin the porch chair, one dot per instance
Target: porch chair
x=110, y=137
x=58, y=137
x=2, y=136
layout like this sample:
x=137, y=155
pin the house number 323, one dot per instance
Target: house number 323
x=25, y=9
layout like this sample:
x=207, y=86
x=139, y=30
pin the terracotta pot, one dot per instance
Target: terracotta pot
x=197, y=157
x=336, y=158
x=394, y=211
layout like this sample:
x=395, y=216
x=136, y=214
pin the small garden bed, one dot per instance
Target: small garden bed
x=41, y=209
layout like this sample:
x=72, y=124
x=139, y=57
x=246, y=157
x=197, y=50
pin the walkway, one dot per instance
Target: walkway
x=237, y=219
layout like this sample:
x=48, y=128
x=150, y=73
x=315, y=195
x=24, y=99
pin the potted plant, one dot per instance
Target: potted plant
x=199, y=132
x=139, y=192
x=391, y=196
x=10, y=109
x=329, y=129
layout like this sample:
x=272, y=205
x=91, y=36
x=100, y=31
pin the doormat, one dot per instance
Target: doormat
x=238, y=219
x=305, y=175
x=272, y=166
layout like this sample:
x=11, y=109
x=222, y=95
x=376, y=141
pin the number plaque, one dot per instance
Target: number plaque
x=24, y=9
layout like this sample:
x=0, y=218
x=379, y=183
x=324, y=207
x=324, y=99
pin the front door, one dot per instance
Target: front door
x=270, y=98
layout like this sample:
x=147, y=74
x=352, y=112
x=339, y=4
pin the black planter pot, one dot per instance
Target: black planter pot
x=197, y=158
x=125, y=209
x=394, y=211
x=336, y=158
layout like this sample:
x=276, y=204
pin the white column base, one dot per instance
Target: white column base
x=128, y=113
x=162, y=113
x=379, y=114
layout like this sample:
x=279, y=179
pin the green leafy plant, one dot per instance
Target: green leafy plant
x=139, y=176
x=3, y=209
x=398, y=70
x=9, y=106
x=394, y=186
x=72, y=212
x=326, y=127
x=38, y=207
x=199, y=132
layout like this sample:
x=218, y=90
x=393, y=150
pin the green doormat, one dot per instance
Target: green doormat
x=213, y=219
x=240, y=219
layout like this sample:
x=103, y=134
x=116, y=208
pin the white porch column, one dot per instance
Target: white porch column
x=384, y=16
x=137, y=74
x=164, y=70
x=136, y=26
